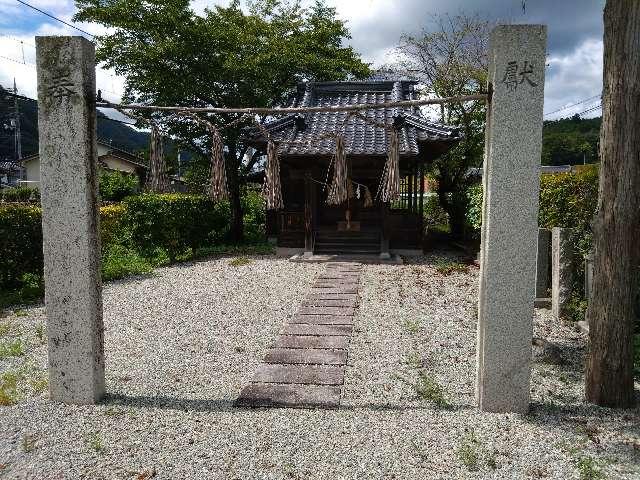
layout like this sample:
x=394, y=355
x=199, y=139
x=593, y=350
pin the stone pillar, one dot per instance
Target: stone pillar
x=542, y=273
x=588, y=274
x=561, y=270
x=510, y=216
x=68, y=182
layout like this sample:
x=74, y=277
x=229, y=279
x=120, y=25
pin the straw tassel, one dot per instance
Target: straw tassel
x=272, y=189
x=368, y=201
x=217, y=175
x=338, y=191
x=389, y=188
x=157, y=181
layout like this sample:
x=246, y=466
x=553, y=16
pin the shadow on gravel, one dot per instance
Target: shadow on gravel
x=218, y=405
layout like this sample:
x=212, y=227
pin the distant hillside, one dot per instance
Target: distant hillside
x=570, y=141
x=121, y=136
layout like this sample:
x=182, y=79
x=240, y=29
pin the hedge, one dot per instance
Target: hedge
x=20, y=194
x=175, y=222
x=566, y=200
x=114, y=186
x=148, y=226
x=20, y=243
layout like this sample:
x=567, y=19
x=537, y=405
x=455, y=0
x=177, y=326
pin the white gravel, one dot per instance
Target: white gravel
x=182, y=343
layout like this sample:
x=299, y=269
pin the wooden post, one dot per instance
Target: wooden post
x=384, y=233
x=421, y=203
x=308, y=215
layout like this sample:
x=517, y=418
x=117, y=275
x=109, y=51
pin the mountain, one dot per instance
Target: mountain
x=570, y=141
x=120, y=135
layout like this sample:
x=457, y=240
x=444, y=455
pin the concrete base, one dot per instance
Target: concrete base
x=288, y=251
x=368, y=259
x=542, y=303
x=406, y=252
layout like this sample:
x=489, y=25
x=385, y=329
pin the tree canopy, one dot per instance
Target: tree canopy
x=226, y=57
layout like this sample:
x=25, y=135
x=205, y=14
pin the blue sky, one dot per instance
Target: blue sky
x=574, y=71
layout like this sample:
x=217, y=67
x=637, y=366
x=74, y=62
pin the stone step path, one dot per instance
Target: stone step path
x=305, y=366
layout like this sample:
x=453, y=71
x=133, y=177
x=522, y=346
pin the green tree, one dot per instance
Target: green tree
x=450, y=59
x=226, y=57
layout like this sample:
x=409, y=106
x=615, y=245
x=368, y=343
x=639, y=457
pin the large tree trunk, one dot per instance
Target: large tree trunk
x=610, y=314
x=236, y=229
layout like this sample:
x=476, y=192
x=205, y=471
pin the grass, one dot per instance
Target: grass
x=469, y=452
x=21, y=313
x=430, y=390
x=41, y=333
x=240, y=261
x=5, y=328
x=9, y=388
x=589, y=468
x=29, y=443
x=447, y=268
x=119, y=262
x=412, y=326
x=13, y=348
x=94, y=442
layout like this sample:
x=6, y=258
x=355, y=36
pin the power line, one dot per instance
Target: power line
x=592, y=109
x=18, y=40
x=573, y=105
x=55, y=18
x=21, y=62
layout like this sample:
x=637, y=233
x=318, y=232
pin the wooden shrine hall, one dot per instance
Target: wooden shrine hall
x=306, y=144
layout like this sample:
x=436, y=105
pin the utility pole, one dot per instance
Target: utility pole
x=17, y=136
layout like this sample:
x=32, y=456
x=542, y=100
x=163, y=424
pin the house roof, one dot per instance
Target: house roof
x=119, y=153
x=362, y=136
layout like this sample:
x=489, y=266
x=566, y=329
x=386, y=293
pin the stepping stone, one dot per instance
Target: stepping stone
x=339, y=290
x=335, y=283
x=306, y=374
x=311, y=341
x=323, y=319
x=327, y=311
x=306, y=329
x=332, y=296
x=308, y=356
x=286, y=395
x=315, y=302
x=339, y=276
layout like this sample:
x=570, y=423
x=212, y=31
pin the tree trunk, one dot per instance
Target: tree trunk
x=609, y=380
x=236, y=229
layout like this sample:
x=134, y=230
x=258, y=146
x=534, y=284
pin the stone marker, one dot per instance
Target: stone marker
x=73, y=294
x=561, y=270
x=544, y=251
x=510, y=210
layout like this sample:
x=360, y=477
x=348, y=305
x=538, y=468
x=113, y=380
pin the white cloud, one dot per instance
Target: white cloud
x=574, y=77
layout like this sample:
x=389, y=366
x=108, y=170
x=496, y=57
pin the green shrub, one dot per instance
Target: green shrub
x=569, y=200
x=112, y=226
x=20, y=194
x=175, y=222
x=254, y=216
x=433, y=213
x=20, y=243
x=474, y=209
x=115, y=186
x=119, y=262
x=566, y=200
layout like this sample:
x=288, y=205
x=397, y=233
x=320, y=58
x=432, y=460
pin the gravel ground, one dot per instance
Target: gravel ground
x=182, y=343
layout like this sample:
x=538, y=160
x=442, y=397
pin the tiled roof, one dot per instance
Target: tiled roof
x=300, y=133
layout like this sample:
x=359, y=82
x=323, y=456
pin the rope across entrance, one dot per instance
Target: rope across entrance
x=339, y=190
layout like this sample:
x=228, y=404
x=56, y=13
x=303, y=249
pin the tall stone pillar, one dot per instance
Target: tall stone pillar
x=509, y=220
x=73, y=290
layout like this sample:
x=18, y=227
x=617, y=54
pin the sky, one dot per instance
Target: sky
x=574, y=52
